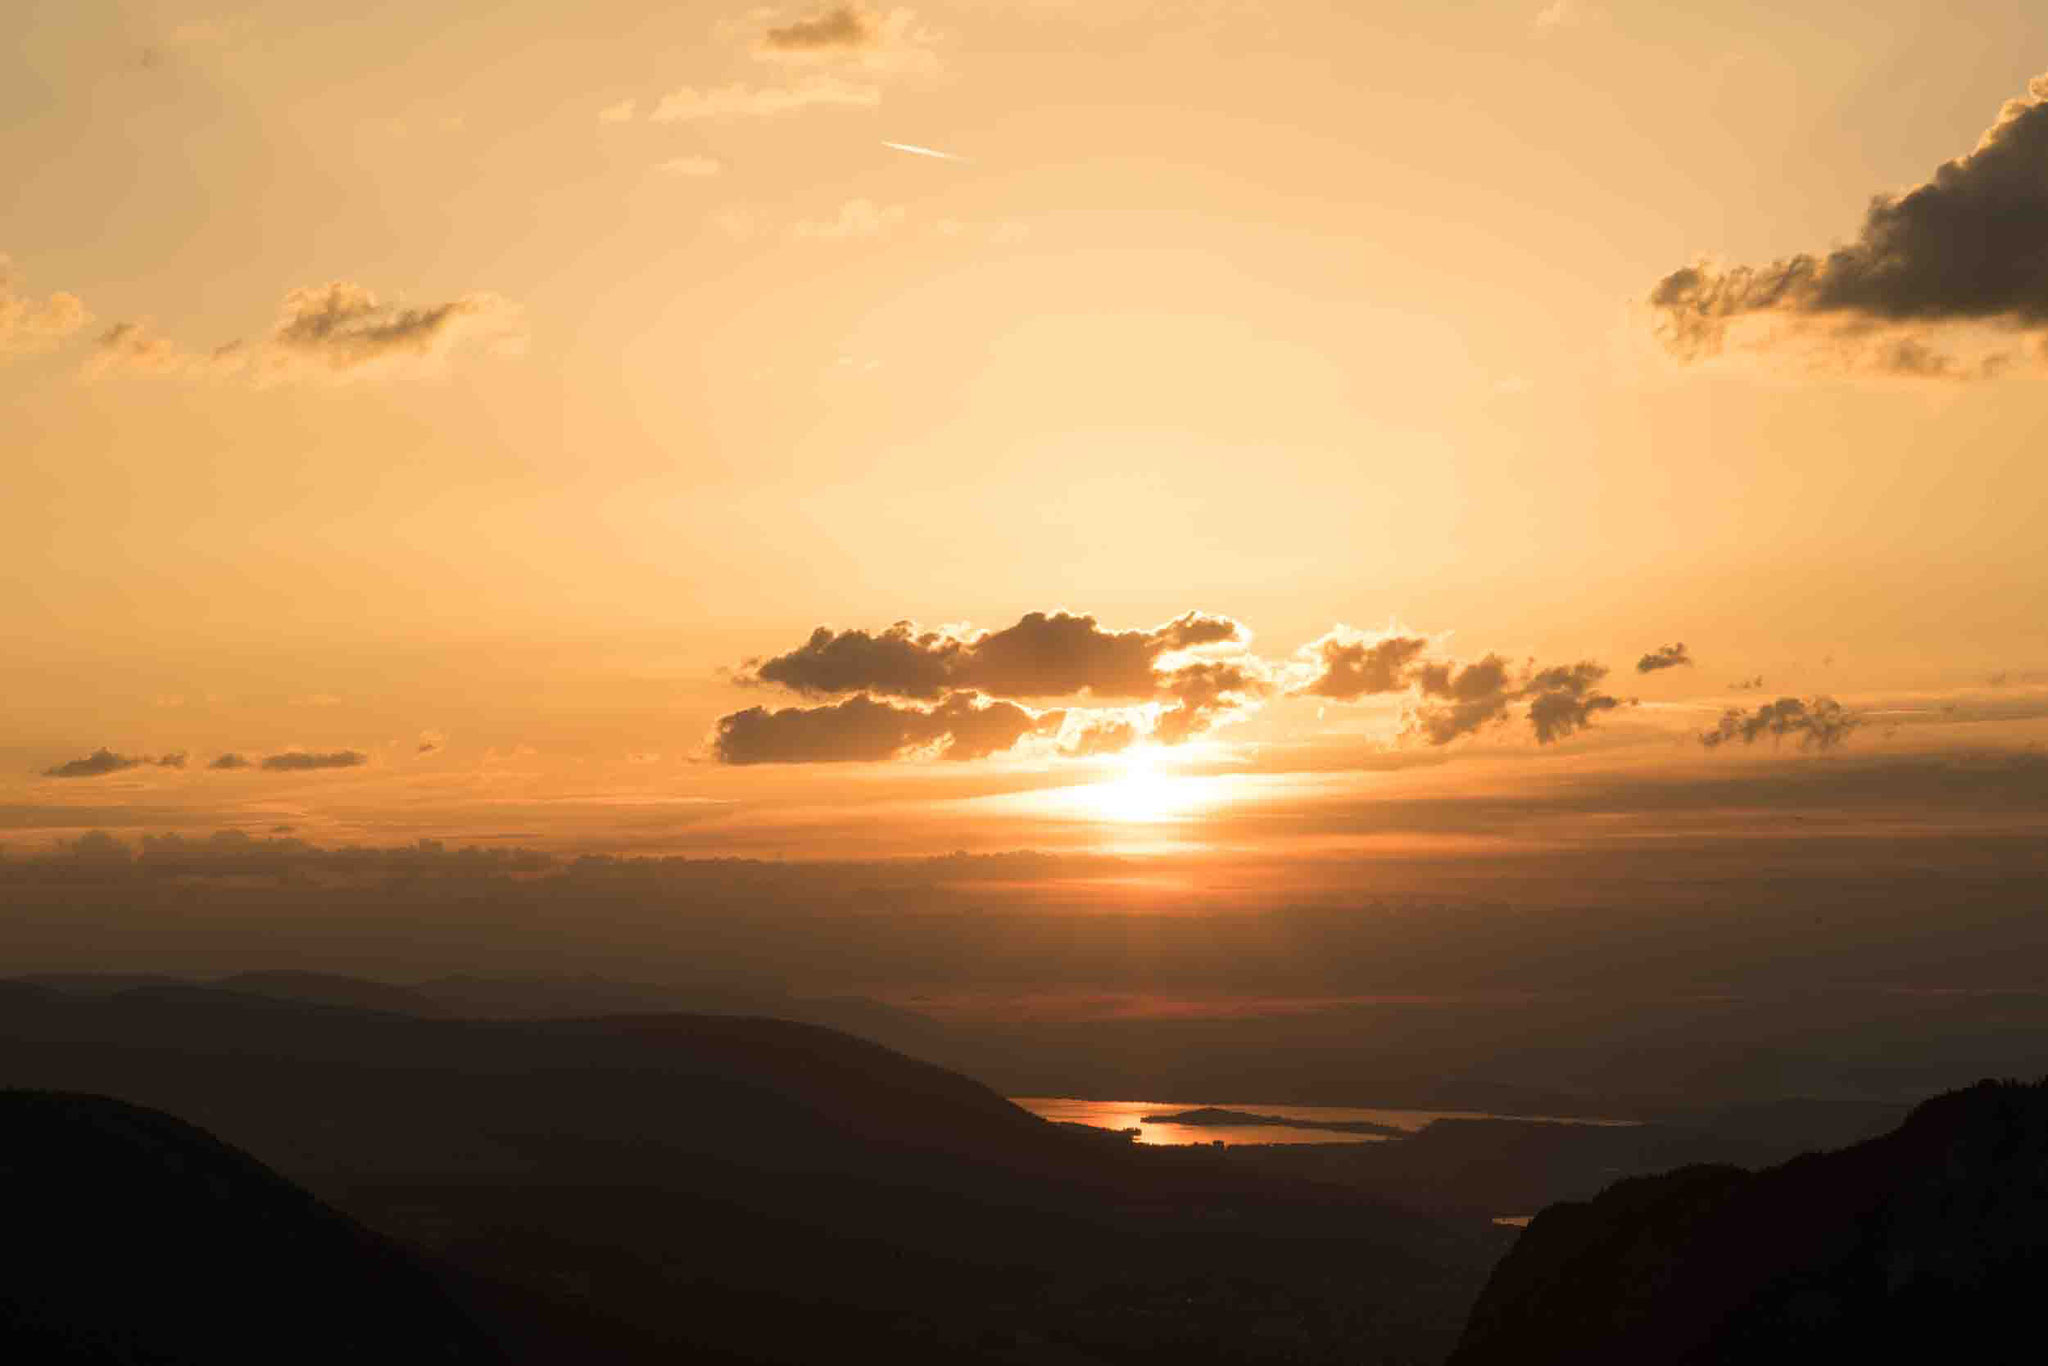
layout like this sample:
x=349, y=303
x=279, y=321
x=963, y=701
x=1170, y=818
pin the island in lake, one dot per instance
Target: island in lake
x=1211, y=1117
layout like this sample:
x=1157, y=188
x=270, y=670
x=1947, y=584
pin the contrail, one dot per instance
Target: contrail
x=918, y=151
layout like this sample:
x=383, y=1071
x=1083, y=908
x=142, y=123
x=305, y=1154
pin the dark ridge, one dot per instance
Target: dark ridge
x=1927, y=1243
x=135, y=1237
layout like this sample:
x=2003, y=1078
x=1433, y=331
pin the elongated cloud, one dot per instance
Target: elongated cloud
x=1817, y=723
x=104, y=761
x=230, y=762
x=864, y=729
x=1968, y=246
x=1058, y=654
x=27, y=324
x=337, y=328
x=1664, y=657
x=300, y=761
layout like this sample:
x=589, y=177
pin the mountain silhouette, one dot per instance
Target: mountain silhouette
x=659, y=1187
x=1928, y=1242
x=134, y=1237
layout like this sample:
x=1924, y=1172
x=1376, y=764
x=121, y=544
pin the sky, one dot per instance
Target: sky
x=1203, y=431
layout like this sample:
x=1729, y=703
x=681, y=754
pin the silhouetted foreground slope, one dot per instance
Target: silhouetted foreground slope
x=134, y=1237
x=671, y=1187
x=1928, y=1243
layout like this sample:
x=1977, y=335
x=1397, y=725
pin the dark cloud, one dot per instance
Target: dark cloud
x=1463, y=700
x=230, y=762
x=299, y=761
x=1354, y=666
x=1968, y=246
x=1058, y=654
x=1563, y=700
x=1817, y=723
x=843, y=27
x=864, y=729
x=1664, y=657
x=1747, y=684
x=103, y=761
x=898, y=662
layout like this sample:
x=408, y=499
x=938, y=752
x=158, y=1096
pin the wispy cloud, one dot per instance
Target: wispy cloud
x=857, y=218
x=28, y=324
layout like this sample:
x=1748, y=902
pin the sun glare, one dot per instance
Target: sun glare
x=1141, y=789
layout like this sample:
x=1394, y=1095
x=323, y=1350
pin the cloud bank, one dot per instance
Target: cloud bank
x=300, y=761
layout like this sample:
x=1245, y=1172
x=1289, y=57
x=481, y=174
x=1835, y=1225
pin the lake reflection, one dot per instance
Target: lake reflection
x=1130, y=1114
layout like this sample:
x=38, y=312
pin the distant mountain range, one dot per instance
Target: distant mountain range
x=1929, y=1243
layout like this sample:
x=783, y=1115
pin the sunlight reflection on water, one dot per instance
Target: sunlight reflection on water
x=1130, y=1114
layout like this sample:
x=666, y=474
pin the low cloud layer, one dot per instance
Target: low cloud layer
x=28, y=324
x=1816, y=723
x=864, y=729
x=1969, y=247
x=1664, y=657
x=335, y=329
x=104, y=761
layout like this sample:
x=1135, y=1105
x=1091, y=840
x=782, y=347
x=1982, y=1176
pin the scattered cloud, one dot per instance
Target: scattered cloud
x=301, y=761
x=104, y=761
x=1556, y=14
x=1955, y=260
x=1752, y=684
x=857, y=218
x=28, y=325
x=1449, y=700
x=430, y=742
x=622, y=112
x=962, y=726
x=1664, y=657
x=1817, y=723
x=336, y=329
x=1563, y=700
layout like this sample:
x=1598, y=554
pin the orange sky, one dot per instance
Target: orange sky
x=453, y=411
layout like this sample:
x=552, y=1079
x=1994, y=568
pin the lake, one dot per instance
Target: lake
x=1130, y=1114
